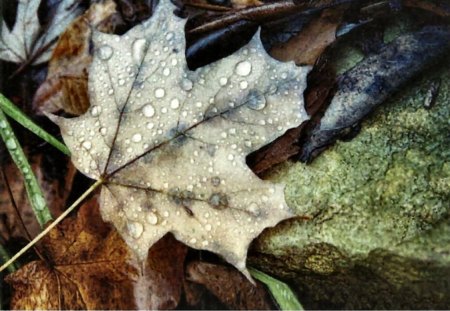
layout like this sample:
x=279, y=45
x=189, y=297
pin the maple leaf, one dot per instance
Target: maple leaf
x=170, y=144
x=27, y=39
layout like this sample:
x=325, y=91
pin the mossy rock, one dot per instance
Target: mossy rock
x=374, y=230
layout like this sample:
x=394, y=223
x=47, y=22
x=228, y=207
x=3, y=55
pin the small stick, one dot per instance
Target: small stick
x=52, y=225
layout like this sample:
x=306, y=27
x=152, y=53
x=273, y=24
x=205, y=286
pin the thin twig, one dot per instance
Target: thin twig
x=52, y=225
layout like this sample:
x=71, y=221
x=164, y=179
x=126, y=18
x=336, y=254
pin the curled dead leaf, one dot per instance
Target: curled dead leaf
x=66, y=85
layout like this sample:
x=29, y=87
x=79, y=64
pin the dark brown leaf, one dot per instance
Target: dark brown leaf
x=92, y=268
x=306, y=47
x=230, y=286
x=439, y=7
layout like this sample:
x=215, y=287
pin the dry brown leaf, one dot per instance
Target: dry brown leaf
x=66, y=84
x=306, y=47
x=90, y=267
x=55, y=186
x=230, y=286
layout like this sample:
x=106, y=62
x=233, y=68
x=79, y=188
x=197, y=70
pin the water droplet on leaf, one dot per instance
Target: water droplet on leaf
x=243, y=68
x=135, y=229
x=148, y=111
x=105, y=52
x=256, y=101
x=138, y=49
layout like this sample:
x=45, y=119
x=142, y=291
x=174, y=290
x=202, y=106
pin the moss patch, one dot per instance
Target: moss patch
x=388, y=187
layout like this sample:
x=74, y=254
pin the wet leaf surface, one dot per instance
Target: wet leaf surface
x=173, y=160
x=90, y=267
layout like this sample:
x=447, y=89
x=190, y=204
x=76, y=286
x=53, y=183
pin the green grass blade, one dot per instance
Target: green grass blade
x=34, y=192
x=12, y=111
x=282, y=293
x=5, y=257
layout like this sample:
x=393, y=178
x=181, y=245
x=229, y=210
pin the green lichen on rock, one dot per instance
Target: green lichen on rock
x=380, y=201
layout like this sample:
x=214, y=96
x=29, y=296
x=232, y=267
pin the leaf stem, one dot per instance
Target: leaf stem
x=15, y=113
x=32, y=187
x=53, y=224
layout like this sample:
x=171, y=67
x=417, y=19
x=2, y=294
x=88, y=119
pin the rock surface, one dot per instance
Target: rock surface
x=379, y=229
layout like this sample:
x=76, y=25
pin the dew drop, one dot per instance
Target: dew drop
x=186, y=84
x=174, y=103
x=11, y=144
x=135, y=229
x=95, y=111
x=138, y=50
x=121, y=82
x=2, y=124
x=169, y=36
x=166, y=72
x=103, y=131
x=243, y=85
x=105, y=52
x=208, y=227
x=87, y=145
x=256, y=101
x=152, y=219
x=136, y=138
x=148, y=111
x=223, y=81
x=160, y=92
x=243, y=68
x=39, y=201
x=253, y=208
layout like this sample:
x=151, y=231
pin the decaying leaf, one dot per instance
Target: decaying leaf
x=66, y=84
x=308, y=45
x=231, y=287
x=91, y=268
x=28, y=40
x=169, y=144
x=367, y=85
